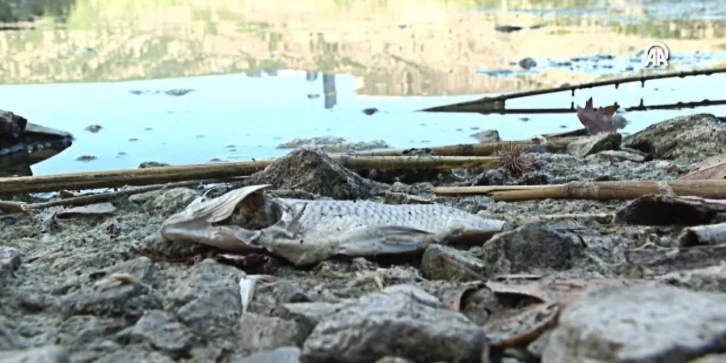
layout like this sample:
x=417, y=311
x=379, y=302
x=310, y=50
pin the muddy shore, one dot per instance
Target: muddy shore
x=100, y=286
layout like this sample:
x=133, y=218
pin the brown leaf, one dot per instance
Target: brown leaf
x=710, y=168
x=455, y=303
x=597, y=120
x=526, y=310
x=523, y=328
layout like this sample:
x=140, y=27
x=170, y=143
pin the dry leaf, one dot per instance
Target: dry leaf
x=710, y=168
x=597, y=120
x=526, y=310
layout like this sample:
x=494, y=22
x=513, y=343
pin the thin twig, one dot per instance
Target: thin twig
x=17, y=207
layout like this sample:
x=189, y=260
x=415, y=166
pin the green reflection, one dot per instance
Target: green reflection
x=23, y=10
x=437, y=47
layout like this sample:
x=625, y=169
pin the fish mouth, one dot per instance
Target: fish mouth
x=30, y=146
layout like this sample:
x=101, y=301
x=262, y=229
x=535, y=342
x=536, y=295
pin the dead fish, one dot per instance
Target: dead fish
x=309, y=231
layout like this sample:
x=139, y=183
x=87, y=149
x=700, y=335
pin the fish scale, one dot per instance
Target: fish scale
x=324, y=216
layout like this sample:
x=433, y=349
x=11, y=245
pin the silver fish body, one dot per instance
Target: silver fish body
x=309, y=231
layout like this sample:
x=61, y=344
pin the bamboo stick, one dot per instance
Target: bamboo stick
x=483, y=149
x=168, y=174
x=363, y=162
x=607, y=190
x=483, y=189
x=709, y=234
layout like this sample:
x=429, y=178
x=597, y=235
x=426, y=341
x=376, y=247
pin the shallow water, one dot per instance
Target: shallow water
x=101, y=63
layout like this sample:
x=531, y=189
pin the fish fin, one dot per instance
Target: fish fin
x=389, y=239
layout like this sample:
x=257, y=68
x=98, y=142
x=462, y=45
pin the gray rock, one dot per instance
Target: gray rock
x=171, y=201
x=156, y=245
x=333, y=144
x=487, y=136
x=114, y=297
x=647, y=323
x=622, y=155
x=47, y=354
x=134, y=354
x=308, y=315
x=686, y=138
x=619, y=121
x=163, y=332
x=78, y=332
x=259, y=333
x=527, y=63
x=270, y=299
x=285, y=292
x=314, y=171
x=9, y=262
x=433, y=269
x=401, y=320
x=532, y=248
x=9, y=339
x=594, y=144
x=178, y=91
x=208, y=299
x=93, y=128
x=711, y=358
x=152, y=164
x=712, y=279
x=279, y=355
x=11, y=124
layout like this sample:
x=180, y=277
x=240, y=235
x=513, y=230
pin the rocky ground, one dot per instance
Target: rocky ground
x=564, y=281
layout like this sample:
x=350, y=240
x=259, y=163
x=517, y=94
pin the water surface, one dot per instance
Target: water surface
x=262, y=73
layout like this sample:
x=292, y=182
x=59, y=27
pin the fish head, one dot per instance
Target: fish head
x=220, y=222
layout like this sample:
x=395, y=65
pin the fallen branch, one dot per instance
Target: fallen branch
x=168, y=174
x=483, y=149
x=606, y=190
x=496, y=104
x=486, y=108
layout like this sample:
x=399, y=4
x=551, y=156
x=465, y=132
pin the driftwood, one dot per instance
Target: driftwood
x=483, y=149
x=606, y=190
x=659, y=261
x=666, y=210
x=167, y=174
x=712, y=234
x=497, y=104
